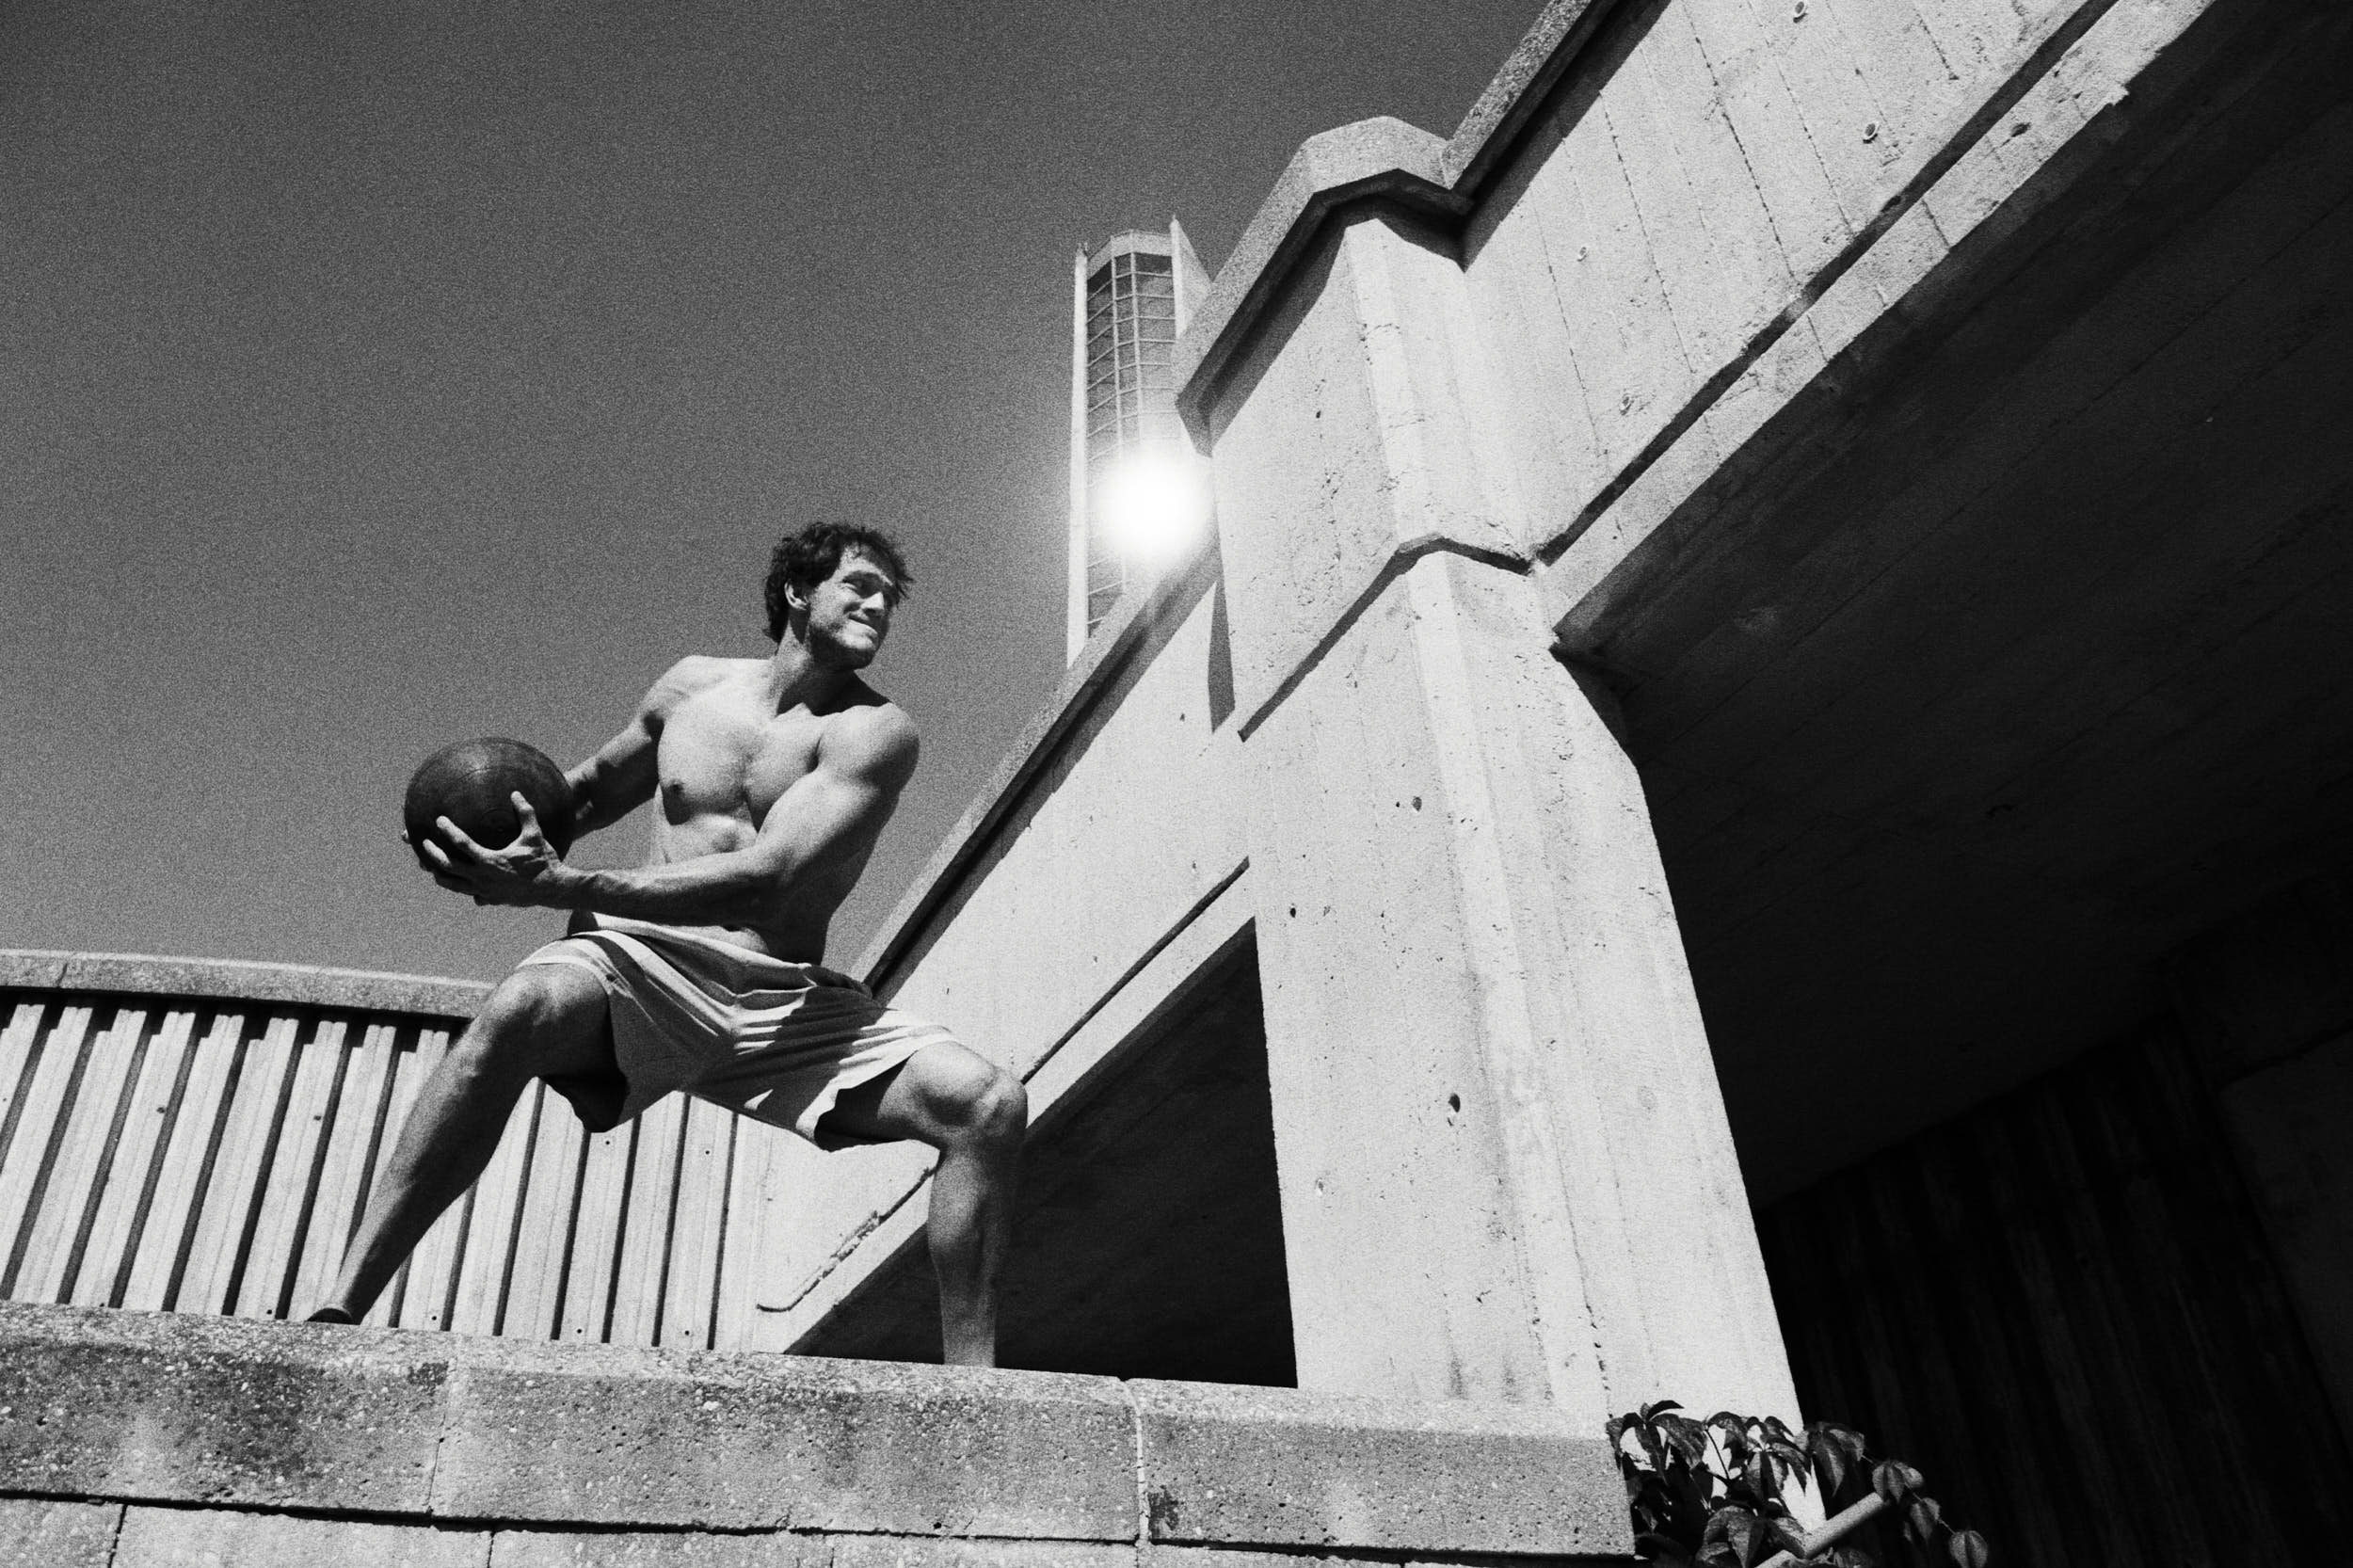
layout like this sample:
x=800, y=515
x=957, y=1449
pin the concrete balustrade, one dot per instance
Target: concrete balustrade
x=200, y=1136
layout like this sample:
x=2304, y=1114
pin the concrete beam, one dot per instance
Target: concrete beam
x=2067, y=89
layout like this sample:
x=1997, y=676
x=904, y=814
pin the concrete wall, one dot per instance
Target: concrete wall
x=132, y=1440
x=1711, y=168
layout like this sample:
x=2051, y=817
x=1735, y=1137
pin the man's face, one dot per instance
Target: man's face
x=849, y=613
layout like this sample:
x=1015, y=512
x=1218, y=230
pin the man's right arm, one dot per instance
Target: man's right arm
x=622, y=774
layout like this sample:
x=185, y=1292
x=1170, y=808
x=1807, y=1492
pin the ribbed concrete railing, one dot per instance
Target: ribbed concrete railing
x=200, y=1136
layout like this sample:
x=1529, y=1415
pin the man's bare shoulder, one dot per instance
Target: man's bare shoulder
x=694, y=675
x=870, y=735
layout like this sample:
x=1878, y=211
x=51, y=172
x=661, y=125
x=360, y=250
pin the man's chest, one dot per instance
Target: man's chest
x=722, y=755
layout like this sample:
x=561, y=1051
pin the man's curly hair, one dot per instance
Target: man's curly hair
x=808, y=554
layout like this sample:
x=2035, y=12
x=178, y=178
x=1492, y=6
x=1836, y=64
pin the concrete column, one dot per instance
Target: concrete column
x=1506, y=1168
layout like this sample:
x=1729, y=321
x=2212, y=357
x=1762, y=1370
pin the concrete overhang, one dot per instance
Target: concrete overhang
x=1979, y=632
x=1940, y=786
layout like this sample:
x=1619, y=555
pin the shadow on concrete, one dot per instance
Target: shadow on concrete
x=1150, y=1236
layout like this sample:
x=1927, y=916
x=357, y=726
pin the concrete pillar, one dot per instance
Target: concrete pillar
x=1505, y=1165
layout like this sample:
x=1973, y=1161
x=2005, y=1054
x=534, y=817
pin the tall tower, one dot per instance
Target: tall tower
x=1133, y=473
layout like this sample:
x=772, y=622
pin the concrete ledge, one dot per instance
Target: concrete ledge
x=274, y=1437
x=1372, y=160
x=1276, y=1468
x=1492, y=129
x=289, y=985
x=148, y=1405
x=613, y=1436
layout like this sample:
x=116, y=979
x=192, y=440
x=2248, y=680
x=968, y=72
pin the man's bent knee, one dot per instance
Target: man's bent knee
x=989, y=1106
x=970, y=1099
x=545, y=1018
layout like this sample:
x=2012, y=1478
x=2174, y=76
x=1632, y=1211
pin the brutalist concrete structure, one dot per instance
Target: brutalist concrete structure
x=1130, y=298
x=1748, y=804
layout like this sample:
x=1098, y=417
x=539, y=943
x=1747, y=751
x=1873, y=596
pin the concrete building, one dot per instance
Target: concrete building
x=1134, y=477
x=1749, y=803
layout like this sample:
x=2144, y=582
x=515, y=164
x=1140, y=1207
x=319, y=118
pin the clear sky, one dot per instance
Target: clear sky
x=379, y=376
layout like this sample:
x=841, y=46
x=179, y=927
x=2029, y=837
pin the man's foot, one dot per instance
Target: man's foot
x=330, y=1315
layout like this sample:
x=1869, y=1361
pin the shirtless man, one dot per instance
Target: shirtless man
x=700, y=971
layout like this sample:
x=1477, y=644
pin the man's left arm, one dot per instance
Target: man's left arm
x=826, y=820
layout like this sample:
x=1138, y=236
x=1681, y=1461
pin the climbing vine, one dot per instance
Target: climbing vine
x=1716, y=1494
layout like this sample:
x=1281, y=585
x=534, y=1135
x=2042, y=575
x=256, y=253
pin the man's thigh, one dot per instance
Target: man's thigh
x=923, y=1098
x=569, y=1025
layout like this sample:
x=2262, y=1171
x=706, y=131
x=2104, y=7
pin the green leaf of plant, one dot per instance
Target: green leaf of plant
x=1847, y=1441
x=1686, y=1437
x=1661, y=1548
x=1888, y=1480
x=1738, y=1528
x=1920, y=1519
x=1967, y=1549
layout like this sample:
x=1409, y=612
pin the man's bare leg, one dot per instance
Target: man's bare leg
x=974, y=1115
x=541, y=1021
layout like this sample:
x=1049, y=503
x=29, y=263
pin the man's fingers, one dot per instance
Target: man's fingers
x=435, y=857
x=529, y=831
x=457, y=836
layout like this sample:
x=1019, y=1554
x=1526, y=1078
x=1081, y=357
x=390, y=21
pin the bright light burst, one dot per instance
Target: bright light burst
x=1156, y=504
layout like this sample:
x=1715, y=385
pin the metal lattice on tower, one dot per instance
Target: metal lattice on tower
x=1131, y=296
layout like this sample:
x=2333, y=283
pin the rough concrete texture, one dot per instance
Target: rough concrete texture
x=586, y=1453
x=731, y=1443
x=42, y=1532
x=1483, y=140
x=1382, y=159
x=645, y=1549
x=1506, y=1169
x=883, y=1551
x=1224, y=1464
x=1368, y=440
x=213, y=1538
x=135, y=1404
